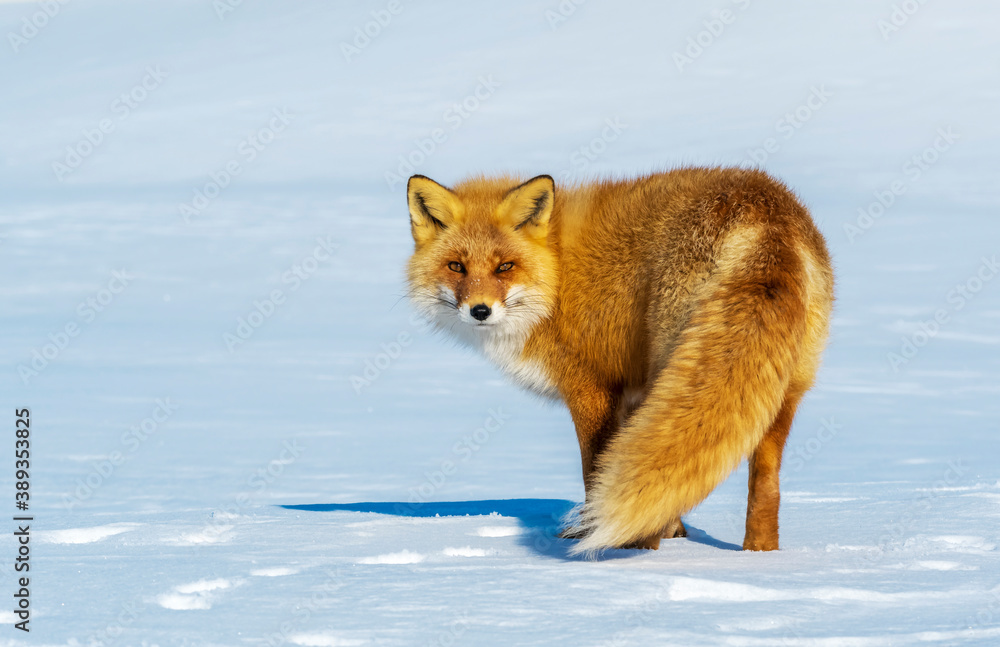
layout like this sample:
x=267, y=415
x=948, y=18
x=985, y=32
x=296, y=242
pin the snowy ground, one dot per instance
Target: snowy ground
x=192, y=490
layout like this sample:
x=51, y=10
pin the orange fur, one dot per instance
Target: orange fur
x=680, y=316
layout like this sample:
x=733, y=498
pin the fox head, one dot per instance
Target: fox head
x=482, y=264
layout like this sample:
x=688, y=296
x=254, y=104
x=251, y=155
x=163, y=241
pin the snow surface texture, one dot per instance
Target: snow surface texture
x=186, y=494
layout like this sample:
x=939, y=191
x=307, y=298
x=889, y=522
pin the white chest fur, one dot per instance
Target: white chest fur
x=502, y=338
x=506, y=351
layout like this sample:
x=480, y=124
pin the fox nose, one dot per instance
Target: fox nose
x=480, y=312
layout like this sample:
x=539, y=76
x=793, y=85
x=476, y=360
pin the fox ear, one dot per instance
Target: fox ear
x=527, y=207
x=433, y=208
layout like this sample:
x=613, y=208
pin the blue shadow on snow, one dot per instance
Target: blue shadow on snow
x=533, y=513
x=541, y=518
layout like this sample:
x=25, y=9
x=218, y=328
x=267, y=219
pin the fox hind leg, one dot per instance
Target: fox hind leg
x=673, y=530
x=649, y=543
x=764, y=496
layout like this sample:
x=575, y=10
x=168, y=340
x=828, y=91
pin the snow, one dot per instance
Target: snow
x=273, y=572
x=330, y=479
x=402, y=557
x=85, y=535
x=195, y=595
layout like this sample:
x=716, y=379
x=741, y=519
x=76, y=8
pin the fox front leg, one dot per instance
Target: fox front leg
x=598, y=415
x=596, y=421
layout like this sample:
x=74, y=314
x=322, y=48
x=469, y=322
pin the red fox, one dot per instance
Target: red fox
x=680, y=316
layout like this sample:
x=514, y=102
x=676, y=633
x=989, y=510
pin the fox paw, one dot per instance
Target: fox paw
x=764, y=543
x=675, y=529
x=649, y=543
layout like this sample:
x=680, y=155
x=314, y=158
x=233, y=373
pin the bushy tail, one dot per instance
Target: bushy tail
x=709, y=407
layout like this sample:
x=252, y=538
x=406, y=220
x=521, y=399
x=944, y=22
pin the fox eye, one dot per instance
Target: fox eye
x=455, y=266
x=504, y=267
